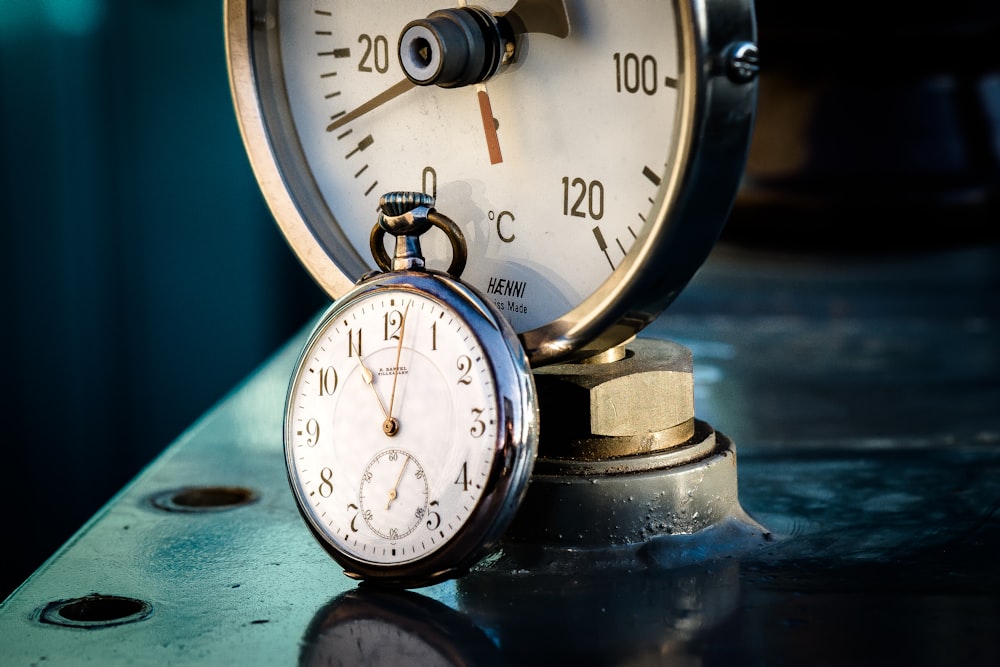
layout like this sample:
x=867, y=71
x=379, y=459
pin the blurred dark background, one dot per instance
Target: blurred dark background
x=145, y=278
x=142, y=273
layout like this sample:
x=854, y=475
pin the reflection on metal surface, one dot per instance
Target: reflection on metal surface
x=599, y=616
x=521, y=617
x=375, y=627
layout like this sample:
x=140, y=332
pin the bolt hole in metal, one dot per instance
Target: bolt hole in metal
x=95, y=611
x=204, y=498
x=98, y=611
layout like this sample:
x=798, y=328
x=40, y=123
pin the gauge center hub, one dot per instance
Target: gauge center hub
x=453, y=47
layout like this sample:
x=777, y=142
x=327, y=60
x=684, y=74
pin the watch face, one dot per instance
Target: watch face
x=564, y=170
x=399, y=434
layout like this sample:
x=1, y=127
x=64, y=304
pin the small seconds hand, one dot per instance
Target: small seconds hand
x=392, y=491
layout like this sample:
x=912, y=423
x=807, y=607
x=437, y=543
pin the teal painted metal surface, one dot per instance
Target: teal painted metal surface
x=862, y=397
x=231, y=586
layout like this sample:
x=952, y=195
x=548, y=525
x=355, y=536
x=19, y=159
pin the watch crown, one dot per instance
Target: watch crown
x=407, y=215
x=399, y=203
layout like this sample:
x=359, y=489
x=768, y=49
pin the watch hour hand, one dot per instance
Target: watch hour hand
x=389, y=426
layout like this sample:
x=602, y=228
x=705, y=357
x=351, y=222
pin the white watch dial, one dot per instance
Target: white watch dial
x=391, y=429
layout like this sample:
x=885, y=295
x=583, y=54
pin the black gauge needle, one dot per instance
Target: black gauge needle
x=393, y=91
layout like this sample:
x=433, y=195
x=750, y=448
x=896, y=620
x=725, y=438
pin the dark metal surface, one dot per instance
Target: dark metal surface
x=863, y=396
x=869, y=151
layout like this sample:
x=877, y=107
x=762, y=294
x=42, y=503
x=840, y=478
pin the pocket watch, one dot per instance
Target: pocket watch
x=411, y=422
x=590, y=151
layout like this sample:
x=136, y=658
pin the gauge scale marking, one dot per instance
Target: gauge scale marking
x=591, y=174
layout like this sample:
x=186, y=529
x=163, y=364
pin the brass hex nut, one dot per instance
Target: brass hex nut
x=640, y=403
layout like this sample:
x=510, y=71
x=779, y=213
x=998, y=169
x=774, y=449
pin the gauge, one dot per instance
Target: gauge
x=589, y=151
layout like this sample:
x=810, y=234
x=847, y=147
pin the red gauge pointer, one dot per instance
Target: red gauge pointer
x=489, y=125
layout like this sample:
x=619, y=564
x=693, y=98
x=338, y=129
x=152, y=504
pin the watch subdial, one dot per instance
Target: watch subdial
x=394, y=494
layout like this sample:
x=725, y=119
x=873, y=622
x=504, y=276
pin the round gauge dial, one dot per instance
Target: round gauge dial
x=410, y=429
x=588, y=150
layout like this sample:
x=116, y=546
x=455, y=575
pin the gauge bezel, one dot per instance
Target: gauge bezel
x=714, y=126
